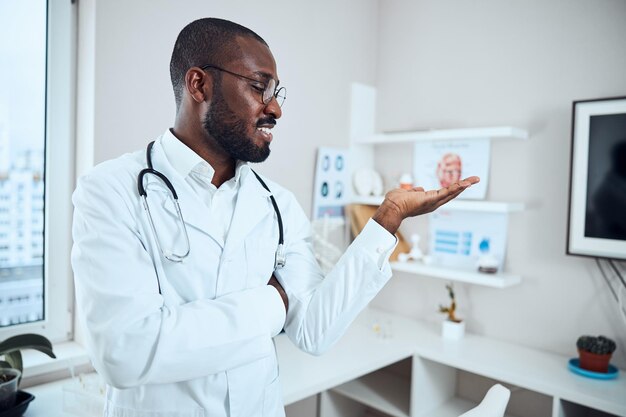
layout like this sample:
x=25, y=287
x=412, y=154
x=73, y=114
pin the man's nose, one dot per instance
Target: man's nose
x=273, y=109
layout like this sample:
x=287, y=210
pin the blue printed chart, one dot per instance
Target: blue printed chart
x=453, y=242
x=459, y=238
x=332, y=186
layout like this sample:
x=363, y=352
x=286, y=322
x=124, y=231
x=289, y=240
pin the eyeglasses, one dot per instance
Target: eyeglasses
x=269, y=91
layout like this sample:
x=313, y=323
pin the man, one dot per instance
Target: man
x=180, y=314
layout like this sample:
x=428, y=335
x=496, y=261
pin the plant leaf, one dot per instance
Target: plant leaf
x=27, y=341
x=15, y=360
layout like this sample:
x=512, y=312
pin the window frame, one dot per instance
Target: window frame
x=60, y=111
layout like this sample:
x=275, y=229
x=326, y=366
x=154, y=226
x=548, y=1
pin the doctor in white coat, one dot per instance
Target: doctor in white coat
x=180, y=307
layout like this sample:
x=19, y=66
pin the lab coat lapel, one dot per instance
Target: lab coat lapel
x=194, y=211
x=253, y=204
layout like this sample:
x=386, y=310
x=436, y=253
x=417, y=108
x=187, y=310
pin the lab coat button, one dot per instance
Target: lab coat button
x=380, y=250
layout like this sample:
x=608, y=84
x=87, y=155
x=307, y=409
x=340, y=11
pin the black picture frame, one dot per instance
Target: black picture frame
x=597, y=192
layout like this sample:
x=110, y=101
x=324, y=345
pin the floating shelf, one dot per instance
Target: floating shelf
x=367, y=200
x=489, y=206
x=501, y=280
x=502, y=132
x=389, y=393
x=466, y=205
x=381, y=390
x=454, y=407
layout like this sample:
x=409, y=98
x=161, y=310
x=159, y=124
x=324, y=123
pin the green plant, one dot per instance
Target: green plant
x=10, y=350
x=452, y=308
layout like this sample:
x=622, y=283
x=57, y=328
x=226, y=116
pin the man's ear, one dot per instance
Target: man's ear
x=198, y=84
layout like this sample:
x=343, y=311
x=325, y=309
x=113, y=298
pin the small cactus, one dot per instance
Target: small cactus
x=600, y=345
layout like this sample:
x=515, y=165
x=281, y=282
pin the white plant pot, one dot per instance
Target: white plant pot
x=452, y=330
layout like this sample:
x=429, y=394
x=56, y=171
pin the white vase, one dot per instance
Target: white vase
x=452, y=330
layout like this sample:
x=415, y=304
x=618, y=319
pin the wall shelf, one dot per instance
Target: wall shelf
x=501, y=280
x=501, y=132
x=381, y=390
x=465, y=205
x=454, y=407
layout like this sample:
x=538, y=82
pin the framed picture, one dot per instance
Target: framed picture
x=597, y=200
x=332, y=186
x=438, y=164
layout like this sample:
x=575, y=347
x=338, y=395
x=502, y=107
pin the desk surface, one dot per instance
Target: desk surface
x=362, y=351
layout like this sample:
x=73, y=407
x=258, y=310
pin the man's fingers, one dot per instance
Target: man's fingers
x=433, y=199
x=443, y=195
x=459, y=186
x=471, y=180
x=447, y=199
x=455, y=188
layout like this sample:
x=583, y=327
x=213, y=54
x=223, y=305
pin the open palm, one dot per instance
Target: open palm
x=417, y=201
x=400, y=204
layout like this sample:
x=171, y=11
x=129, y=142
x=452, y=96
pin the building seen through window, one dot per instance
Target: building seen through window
x=22, y=156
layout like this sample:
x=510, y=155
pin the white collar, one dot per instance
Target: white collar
x=185, y=160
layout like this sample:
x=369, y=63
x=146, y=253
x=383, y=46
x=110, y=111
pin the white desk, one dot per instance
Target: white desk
x=429, y=390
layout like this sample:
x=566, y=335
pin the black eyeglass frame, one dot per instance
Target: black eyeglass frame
x=265, y=98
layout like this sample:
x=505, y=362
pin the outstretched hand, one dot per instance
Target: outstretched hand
x=400, y=204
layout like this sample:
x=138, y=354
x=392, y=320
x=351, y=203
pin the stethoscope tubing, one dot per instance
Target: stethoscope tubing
x=279, y=260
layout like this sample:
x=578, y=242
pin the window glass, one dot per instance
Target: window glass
x=22, y=145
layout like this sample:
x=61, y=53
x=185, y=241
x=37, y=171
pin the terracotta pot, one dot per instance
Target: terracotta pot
x=594, y=362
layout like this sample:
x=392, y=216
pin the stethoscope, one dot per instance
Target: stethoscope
x=280, y=258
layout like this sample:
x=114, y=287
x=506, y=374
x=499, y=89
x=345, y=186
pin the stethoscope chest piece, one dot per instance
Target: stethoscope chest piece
x=281, y=259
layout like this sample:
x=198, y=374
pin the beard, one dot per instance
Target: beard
x=229, y=131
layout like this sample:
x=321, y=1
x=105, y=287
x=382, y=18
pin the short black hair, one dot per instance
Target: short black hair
x=203, y=42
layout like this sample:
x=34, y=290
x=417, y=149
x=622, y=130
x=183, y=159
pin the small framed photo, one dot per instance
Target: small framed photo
x=438, y=164
x=597, y=200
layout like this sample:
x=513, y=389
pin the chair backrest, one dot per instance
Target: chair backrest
x=493, y=405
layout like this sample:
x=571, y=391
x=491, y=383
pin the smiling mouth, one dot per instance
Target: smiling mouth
x=265, y=133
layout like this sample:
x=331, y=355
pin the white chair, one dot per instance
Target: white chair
x=493, y=405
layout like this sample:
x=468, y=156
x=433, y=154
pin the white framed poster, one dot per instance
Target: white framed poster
x=332, y=183
x=438, y=164
x=458, y=239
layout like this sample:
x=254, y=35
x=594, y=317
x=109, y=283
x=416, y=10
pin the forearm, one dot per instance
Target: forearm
x=132, y=348
x=321, y=309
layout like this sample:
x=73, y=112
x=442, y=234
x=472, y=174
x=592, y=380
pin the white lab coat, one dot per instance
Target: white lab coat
x=203, y=346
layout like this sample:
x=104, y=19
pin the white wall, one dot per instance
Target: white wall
x=320, y=48
x=447, y=64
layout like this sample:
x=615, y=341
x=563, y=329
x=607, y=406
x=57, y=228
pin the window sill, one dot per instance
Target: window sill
x=72, y=359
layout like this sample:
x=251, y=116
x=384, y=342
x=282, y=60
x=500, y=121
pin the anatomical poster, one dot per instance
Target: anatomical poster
x=437, y=164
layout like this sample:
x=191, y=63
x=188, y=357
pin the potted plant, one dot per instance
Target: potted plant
x=453, y=327
x=594, y=353
x=11, y=367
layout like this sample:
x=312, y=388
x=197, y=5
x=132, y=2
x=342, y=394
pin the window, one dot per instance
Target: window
x=36, y=166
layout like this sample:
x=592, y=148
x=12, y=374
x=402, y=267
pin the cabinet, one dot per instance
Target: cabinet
x=431, y=381
x=416, y=373
x=363, y=141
